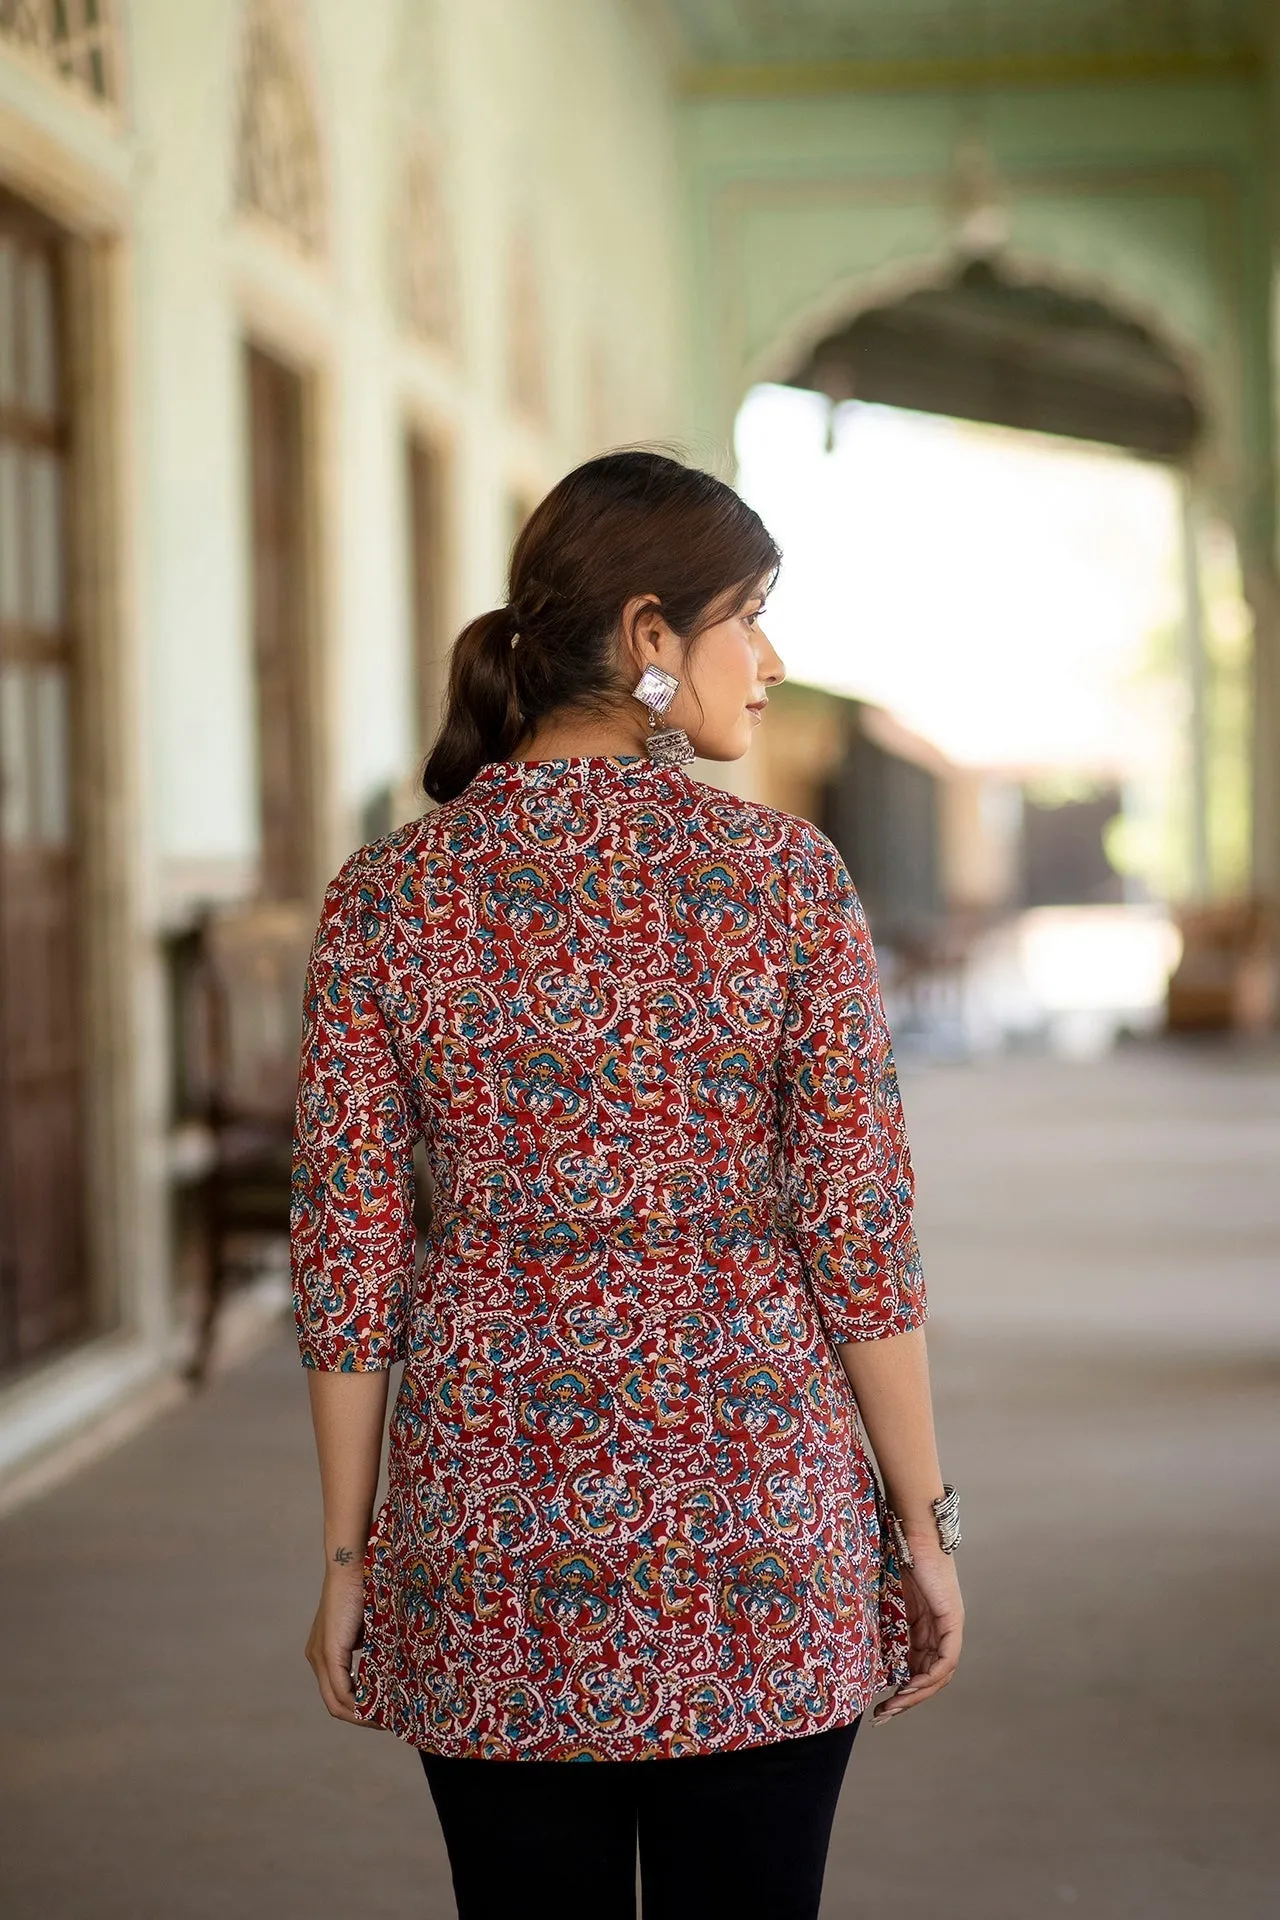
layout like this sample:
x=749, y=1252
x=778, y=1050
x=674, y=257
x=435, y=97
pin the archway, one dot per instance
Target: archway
x=991, y=344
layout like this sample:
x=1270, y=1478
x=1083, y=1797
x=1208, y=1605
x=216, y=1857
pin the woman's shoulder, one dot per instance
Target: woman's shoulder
x=792, y=836
x=381, y=858
x=725, y=808
x=367, y=885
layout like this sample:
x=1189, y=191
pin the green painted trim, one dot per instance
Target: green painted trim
x=772, y=80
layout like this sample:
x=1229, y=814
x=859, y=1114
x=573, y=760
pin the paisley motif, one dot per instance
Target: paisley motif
x=608, y=1505
x=609, y=1698
x=573, y=1598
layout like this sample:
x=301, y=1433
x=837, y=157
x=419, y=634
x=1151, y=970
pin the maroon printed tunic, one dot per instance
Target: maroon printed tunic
x=635, y=1022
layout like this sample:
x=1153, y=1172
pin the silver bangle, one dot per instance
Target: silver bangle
x=947, y=1514
x=946, y=1511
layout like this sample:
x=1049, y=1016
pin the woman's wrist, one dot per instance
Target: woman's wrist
x=931, y=1529
x=917, y=1514
x=925, y=1547
x=343, y=1558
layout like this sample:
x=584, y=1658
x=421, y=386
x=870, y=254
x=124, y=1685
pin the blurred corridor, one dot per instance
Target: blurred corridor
x=303, y=307
x=1105, y=1340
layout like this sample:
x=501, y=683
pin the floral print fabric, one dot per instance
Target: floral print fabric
x=635, y=1023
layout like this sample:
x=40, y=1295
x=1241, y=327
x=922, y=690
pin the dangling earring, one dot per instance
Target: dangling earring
x=669, y=746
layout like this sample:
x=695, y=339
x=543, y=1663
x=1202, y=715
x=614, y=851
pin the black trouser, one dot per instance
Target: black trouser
x=742, y=1833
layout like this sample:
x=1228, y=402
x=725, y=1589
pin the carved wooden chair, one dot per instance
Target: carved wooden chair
x=240, y=1014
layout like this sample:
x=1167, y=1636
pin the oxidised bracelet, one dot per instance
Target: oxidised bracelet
x=946, y=1511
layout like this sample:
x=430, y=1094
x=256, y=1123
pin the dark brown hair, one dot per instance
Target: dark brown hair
x=626, y=524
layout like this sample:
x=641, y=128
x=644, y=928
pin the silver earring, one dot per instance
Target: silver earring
x=669, y=746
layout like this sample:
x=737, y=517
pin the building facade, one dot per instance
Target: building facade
x=302, y=304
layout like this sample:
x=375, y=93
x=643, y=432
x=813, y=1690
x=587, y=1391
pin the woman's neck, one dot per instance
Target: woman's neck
x=570, y=740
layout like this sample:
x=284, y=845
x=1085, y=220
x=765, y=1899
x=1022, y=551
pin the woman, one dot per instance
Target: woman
x=634, y=1022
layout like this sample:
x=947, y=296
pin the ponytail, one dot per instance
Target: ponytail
x=482, y=719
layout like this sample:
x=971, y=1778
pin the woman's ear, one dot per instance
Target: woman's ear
x=645, y=632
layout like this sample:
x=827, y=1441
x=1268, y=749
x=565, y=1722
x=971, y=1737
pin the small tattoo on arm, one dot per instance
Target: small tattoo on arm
x=344, y=1555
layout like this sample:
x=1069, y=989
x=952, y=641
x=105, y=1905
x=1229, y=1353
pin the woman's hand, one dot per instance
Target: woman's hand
x=336, y=1632
x=935, y=1613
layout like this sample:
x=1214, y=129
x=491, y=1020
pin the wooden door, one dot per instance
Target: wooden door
x=284, y=658
x=426, y=490
x=44, y=1284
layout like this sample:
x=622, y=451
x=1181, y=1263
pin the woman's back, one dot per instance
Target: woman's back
x=634, y=1020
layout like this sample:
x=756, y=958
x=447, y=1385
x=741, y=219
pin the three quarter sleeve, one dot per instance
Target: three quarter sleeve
x=844, y=1146
x=351, y=1239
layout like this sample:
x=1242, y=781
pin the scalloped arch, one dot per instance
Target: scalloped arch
x=843, y=301
x=883, y=286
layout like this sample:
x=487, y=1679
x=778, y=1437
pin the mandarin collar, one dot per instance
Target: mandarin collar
x=625, y=772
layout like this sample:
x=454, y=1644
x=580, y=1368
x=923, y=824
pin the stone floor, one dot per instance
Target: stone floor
x=1103, y=1244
